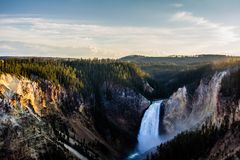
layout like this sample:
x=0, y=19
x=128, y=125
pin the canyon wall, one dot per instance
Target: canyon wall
x=206, y=106
x=40, y=113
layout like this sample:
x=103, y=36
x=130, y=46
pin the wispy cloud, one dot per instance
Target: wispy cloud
x=224, y=34
x=177, y=5
x=46, y=37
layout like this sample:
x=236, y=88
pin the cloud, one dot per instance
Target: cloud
x=47, y=37
x=188, y=16
x=177, y=5
x=224, y=34
x=102, y=41
x=15, y=48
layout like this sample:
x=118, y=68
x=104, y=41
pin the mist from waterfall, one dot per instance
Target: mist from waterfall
x=180, y=114
x=148, y=135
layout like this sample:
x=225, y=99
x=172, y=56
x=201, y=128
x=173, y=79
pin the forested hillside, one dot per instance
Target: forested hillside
x=96, y=106
x=54, y=71
x=205, y=58
x=95, y=72
x=85, y=76
x=102, y=96
x=167, y=74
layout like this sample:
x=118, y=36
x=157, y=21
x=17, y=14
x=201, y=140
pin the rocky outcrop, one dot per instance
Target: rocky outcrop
x=124, y=107
x=176, y=111
x=205, y=104
x=32, y=117
x=147, y=88
x=24, y=104
x=22, y=93
x=119, y=116
x=181, y=113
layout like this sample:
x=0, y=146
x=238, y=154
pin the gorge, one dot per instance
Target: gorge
x=99, y=110
x=179, y=114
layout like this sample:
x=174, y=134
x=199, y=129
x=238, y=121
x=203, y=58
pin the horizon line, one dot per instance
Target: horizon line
x=130, y=55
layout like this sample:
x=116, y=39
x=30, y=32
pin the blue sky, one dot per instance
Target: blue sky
x=112, y=29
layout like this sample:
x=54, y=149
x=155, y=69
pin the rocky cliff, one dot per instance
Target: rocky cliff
x=33, y=115
x=183, y=112
x=203, y=124
x=23, y=93
x=124, y=106
x=215, y=103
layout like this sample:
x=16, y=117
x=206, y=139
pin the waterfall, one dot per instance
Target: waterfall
x=148, y=135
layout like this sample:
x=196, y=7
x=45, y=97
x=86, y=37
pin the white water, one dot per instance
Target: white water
x=73, y=151
x=148, y=135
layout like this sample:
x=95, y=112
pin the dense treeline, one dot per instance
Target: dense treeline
x=95, y=73
x=167, y=74
x=53, y=71
x=167, y=82
x=179, y=59
x=83, y=77
x=88, y=74
x=190, y=145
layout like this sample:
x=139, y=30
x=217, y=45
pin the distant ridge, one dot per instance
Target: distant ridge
x=178, y=59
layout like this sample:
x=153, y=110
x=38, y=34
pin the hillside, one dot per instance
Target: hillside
x=175, y=59
x=167, y=74
x=93, y=109
x=89, y=105
x=217, y=137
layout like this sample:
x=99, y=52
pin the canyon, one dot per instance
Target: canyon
x=114, y=119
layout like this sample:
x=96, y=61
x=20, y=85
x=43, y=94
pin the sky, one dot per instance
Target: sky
x=117, y=28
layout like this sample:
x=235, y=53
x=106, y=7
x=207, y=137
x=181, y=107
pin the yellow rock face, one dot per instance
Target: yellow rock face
x=27, y=93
